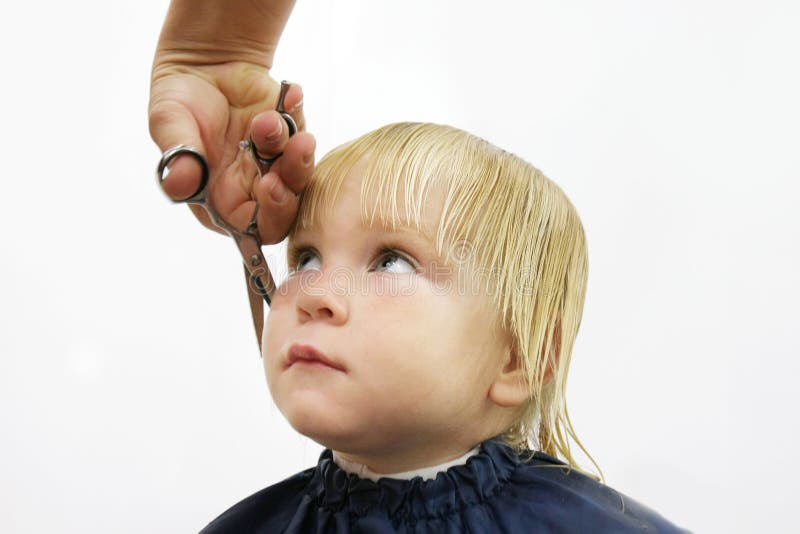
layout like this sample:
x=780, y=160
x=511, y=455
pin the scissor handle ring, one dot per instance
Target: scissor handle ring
x=173, y=153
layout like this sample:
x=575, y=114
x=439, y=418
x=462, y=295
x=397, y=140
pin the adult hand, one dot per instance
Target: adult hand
x=210, y=89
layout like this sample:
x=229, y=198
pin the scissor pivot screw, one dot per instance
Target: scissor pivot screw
x=254, y=260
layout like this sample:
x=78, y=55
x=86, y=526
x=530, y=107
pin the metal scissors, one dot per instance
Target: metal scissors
x=260, y=278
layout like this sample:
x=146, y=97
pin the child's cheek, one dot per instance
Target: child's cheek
x=278, y=319
x=285, y=292
x=395, y=287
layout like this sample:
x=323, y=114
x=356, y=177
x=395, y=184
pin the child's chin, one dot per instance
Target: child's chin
x=336, y=433
x=319, y=425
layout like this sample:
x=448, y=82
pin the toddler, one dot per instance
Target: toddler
x=424, y=335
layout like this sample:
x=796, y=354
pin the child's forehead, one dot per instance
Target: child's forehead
x=379, y=226
x=361, y=202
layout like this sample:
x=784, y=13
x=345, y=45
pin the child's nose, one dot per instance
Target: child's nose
x=324, y=296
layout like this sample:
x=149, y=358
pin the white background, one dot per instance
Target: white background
x=132, y=397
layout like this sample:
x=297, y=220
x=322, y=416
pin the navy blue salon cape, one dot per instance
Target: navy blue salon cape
x=495, y=491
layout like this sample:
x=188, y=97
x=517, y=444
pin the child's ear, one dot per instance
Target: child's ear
x=510, y=389
x=552, y=364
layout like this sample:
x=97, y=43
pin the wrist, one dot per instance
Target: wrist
x=213, y=31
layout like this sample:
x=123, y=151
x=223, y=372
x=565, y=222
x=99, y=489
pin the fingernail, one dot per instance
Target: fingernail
x=298, y=105
x=278, y=192
x=308, y=159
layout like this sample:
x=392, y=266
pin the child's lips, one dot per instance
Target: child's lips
x=308, y=355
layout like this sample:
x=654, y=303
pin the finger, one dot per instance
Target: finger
x=296, y=164
x=205, y=220
x=269, y=129
x=269, y=132
x=172, y=124
x=277, y=208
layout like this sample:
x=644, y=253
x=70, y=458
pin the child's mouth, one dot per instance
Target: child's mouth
x=309, y=356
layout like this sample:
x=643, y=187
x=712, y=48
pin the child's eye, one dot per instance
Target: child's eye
x=389, y=260
x=303, y=257
x=394, y=262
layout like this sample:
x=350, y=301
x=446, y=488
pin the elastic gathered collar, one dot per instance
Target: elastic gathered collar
x=460, y=486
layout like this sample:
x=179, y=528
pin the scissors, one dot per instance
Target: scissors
x=249, y=244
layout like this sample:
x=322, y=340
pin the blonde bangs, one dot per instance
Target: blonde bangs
x=500, y=215
x=403, y=163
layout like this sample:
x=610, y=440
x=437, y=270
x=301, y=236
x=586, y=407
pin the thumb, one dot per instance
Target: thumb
x=172, y=124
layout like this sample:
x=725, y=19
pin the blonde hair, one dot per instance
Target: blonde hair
x=519, y=226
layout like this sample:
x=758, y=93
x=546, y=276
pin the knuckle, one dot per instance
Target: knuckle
x=161, y=112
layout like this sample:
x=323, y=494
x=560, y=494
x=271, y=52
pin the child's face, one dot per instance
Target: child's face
x=417, y=353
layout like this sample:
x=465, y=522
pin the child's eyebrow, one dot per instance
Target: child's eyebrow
x=401, y=228
x=420, y=237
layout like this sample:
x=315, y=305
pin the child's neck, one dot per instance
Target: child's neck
x=403, y=468
x=428, y=472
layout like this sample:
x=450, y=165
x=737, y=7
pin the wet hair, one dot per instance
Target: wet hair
x=516, y=226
